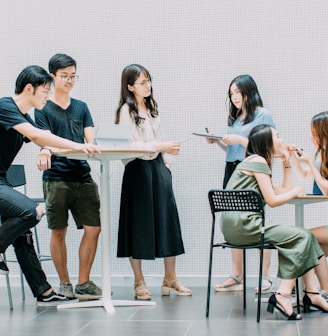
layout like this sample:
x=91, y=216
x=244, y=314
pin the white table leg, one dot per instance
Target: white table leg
x=299, y=215
x=299, y=222
x=106, y=301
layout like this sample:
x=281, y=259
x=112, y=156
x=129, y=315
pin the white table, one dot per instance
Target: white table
x=104, y=157
x=299, y=203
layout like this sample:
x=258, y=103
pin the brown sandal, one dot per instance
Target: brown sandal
x=141, y=291
x=176, y=287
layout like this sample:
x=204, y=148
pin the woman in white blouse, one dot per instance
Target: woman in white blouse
x=149, y=225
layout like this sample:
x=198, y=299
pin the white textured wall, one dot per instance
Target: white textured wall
x=193, y=49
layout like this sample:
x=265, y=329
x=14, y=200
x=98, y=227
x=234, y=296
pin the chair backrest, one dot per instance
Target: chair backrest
x=236, y=200
x=16, y=175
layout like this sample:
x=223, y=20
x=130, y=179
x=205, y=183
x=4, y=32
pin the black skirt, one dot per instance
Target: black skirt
x=149, y=225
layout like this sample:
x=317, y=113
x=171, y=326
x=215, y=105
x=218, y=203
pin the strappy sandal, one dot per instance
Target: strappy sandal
x=141, y=291
x=273, y=304
x=266, y=285
x=176, y=287
x=237, y=286
x=308, y=305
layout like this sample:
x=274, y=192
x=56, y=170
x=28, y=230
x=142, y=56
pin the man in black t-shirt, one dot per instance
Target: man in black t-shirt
x=19, y=213
x=67, y=184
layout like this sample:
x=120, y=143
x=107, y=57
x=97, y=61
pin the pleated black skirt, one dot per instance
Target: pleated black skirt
x=149, y=225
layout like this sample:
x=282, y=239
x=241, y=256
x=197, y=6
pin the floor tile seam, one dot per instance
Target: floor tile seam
x=81, y=329
x=180, y=321
x=189, y=328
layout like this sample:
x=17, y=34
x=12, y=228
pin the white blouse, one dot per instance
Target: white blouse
x=145, y=136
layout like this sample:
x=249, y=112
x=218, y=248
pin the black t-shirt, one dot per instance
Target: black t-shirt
x=10, y=140
x=69, y=124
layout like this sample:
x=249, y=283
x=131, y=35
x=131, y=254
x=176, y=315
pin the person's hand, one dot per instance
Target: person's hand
x=88, y=148
x=39, y=211
x=210, y=140
x=44, y=159
x=300, y=191
x=299, y=155
x=285, y=154
x=232, y=139
x=170, y=147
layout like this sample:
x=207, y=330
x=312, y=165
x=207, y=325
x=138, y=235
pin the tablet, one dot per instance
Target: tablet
x=209, y=136
x=112, y=136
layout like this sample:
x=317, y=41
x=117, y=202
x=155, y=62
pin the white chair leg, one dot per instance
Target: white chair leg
x=10, y=298
x=22, y=285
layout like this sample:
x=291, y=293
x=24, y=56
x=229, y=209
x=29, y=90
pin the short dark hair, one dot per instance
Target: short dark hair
x=60, y=61
x=34, y=75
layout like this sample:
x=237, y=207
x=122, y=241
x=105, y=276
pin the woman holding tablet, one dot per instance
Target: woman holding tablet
x=245, y=111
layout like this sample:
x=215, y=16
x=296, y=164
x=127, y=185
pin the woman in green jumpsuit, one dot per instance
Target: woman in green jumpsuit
x=298, y=250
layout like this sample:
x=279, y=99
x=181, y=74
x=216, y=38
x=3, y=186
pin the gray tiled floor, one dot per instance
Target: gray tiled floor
x=173, y=315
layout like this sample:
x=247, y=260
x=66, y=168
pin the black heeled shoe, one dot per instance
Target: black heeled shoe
x=273, y=304
x=307, y=303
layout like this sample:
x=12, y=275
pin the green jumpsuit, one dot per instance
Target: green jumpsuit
x=298, y=249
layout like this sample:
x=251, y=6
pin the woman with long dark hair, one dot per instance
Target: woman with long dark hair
x=298, y=250
x=149, y=225
x=245, y=111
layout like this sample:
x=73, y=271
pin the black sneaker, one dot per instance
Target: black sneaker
x=52, y=299
x=3, y=267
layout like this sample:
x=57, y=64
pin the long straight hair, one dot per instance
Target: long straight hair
x=129, y=76
x=251, y=99
x=319, y=127
x=260, y=142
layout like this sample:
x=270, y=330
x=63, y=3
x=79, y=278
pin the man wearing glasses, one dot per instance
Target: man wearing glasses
x=67, y=184
x=19, y=213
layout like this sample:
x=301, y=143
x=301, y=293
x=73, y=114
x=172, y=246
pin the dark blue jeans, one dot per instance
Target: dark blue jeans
x=18, y=216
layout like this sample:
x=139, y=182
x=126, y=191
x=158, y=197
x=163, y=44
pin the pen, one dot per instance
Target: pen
x=297, y=151
x=206, y=129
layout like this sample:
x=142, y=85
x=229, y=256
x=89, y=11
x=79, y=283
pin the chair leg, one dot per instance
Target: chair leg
x=22, y=285
x=297, y=293
x=10, y=298
x=209, y=282
x=259, y=295
x=244, y=278
x=210, y=268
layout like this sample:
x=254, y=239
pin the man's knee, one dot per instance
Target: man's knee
x=31, y=217
x=92, y=231
x=59, y=234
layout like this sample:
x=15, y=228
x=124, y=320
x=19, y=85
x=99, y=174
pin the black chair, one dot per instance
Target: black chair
x=16, y=178
x=239, y=200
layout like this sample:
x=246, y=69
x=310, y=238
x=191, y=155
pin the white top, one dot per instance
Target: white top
x=145, y=136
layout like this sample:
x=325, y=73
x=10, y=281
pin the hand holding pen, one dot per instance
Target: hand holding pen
x=210, y=140
x=297, y=153
x=294, y=149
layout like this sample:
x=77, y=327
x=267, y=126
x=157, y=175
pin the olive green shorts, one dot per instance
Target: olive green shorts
x=80, y=198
